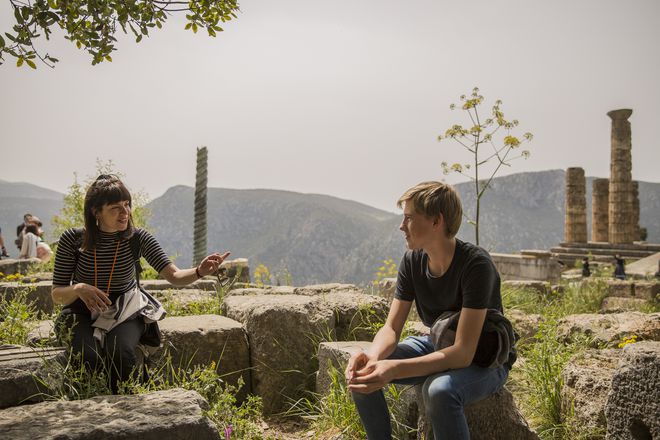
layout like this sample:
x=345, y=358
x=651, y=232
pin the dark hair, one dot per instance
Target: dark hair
x=107, y=188
x=32, y=228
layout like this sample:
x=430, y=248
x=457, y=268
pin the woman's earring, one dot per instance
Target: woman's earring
x=97, y=222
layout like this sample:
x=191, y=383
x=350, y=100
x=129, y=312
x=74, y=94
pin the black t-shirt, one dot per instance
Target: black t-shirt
x=471, y=281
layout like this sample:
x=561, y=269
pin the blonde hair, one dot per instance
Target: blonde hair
x=434, y=199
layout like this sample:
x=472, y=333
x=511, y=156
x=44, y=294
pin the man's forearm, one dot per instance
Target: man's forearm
x=450, y=358
x=384, y=343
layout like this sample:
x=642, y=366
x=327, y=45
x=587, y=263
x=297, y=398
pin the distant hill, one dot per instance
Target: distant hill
x=321, y=238
x=18, y=198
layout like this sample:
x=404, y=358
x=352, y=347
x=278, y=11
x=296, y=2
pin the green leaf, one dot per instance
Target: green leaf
x=19, y=62
x=31, y=64
x=26, y=13
x=194, y=28
x=188, y=26
x=2, y=42
x=18, y=16
x=11, y=37
x=108, y=58
x=138, y=39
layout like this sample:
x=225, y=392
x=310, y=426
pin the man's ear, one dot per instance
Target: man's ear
x=439, y=220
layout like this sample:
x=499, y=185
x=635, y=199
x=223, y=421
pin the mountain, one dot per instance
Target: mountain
x=18, y=198
x=316, y=238
x=320, y=238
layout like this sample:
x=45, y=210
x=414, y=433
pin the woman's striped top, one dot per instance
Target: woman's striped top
x=123, y=278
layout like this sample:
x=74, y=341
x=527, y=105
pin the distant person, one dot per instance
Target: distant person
x=29, y=241
x=96, y=266
x=456, y=289
x=619, y=268
x=3, y=250
x=20, y=230
x=586, y=272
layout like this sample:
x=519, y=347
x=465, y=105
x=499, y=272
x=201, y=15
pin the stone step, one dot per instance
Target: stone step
x=648, y=247
x=23, y=373
x=625, y=253
x=175, y=414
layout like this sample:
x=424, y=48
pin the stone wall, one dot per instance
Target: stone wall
x=527, y=267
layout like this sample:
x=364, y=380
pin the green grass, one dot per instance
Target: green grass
x=17, y=318
x=335, y=413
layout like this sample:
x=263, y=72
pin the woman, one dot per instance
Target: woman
x=30, y=241
x=93, y=271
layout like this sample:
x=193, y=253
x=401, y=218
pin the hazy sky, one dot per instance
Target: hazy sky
x=337, y=97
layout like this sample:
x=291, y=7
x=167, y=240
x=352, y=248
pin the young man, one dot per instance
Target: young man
x=442, y=274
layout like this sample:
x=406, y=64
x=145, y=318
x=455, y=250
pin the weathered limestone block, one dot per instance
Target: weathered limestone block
x=321, y=289
x=11, y=266
x=648, y=290
x=541, y=287
x=386, y=288
x=494, y=418
x=611, y=329
x=335, y=355
x=283, y=331
x=615, y=304
x=525, y=324
x=155, y=285
x=416, y=328
x=633, y=405
x=587, y=382
x=43, y=333
x=39, y=293
x=202, y=339
x=24, y=374
x=174, y=414
x=355, y=313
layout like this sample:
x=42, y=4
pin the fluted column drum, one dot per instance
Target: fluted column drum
x=575, y=225
x=600, y=192
x=621, y=188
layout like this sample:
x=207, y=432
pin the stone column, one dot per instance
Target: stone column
x=575, y=226
x=621, y=189
x=600, y=191
x=635, y=212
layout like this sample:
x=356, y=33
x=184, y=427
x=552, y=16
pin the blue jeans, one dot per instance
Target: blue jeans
x=445, y=395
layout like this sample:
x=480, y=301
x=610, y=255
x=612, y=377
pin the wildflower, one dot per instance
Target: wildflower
x=228, y=430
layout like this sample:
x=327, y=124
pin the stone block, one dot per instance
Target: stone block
x=587, y=382
x=284, y=332
x=174, y=414
x=633, y=404
x=24, y=374
x=610, y=329
x=11, y=266
x=385, y=288
x=616, y=304
x=39, y=293
x=201, y=284
x=202, y=339
x=355, y=313
x=540, y=287
x=649, y=290
x=493, y=418
x=335, y=355
x=525, y=324
x=620, y=288
x=42, y=334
